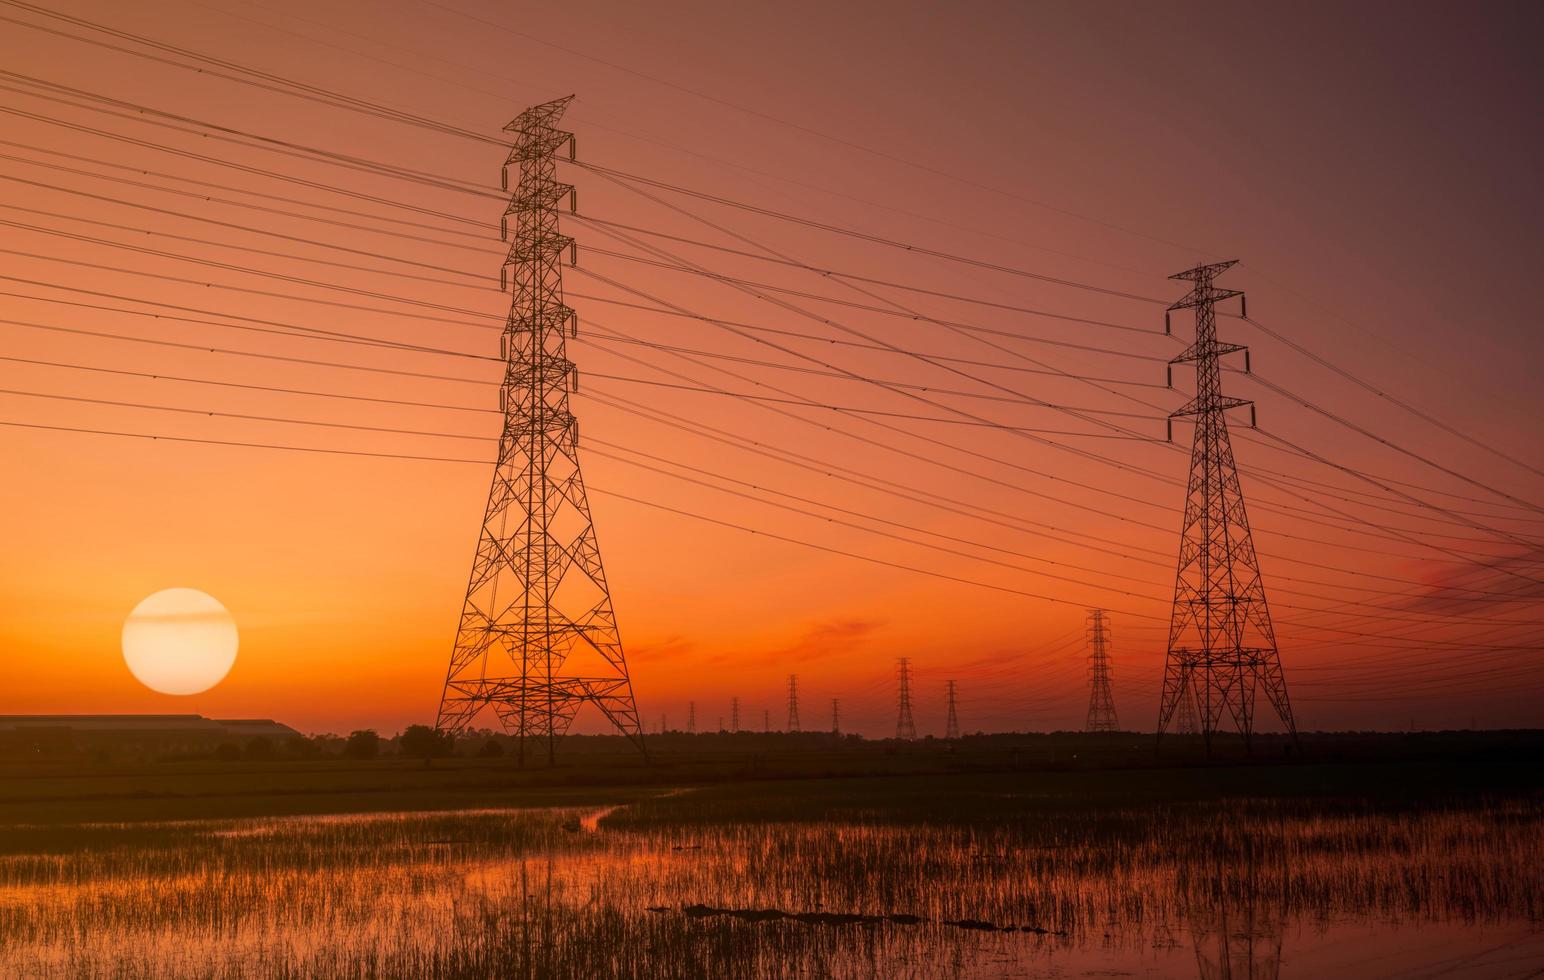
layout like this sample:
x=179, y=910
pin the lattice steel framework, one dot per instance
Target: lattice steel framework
x=1222, y=646
x=1185, y=721
x=1101, y=703
x=952, y=723
x=905, y=727
x=538, y=638
x=836, y=716
x=793, y=702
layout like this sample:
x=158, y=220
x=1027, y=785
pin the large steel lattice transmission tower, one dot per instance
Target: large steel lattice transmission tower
x=1101, y=703
x=538, y=637
x=1222, y=646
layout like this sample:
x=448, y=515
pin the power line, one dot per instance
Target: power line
x=614, y=446
x=308, y=149
x=684, y=190
x=244, y=168
x=1283, y=391
x=967, y=326
x=903, y=310
x=481, y=247
x=837, y=274
x=795, y=309
x=720, y=522
x=355, y=306
x=863, y=236
x=1347, y=423
x=688, y=267
x=331, y=335
x=1397, y=402
x=814, y=132
x=231, y=71
x=150, y=116
x=707, y=354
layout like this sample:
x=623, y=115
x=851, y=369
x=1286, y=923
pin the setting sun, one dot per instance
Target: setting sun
x=179, y=641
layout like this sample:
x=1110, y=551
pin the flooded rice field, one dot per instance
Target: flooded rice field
x=697, y=885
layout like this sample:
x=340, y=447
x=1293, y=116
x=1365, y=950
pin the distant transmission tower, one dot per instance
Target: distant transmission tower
x=734, y=714
x=836, y=716
x=952, y=726
x=691, y=717
x=905, y=727
x=1222, y=646
x=1101, y=703
x=793, y=702
x=538, y=637
x=1186, y=723
x=766, y=720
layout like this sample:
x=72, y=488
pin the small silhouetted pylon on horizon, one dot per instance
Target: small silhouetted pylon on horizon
x=766, y=720
x=662, y=723
x=836, y=716
x=793, y=702
x=1222, y=646
x=1186, y=715
x=905, y=727
x=1101, y=703
x=691, y=717
x=537, y=639
x=734, y=714
x=952, y=725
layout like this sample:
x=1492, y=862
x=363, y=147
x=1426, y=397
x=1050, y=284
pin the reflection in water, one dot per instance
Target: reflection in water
x=1243, y=946
x=1261, y=889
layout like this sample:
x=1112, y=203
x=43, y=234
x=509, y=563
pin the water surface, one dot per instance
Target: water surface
x=694, y=884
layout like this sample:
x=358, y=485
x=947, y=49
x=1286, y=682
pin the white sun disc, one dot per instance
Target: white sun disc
x=179, y=641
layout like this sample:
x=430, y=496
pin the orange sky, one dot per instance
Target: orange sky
x=1377, y=180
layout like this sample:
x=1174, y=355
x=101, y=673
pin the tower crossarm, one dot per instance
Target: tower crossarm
x=545, y=369
x=1205, y=273
x=1222, y=402
x=1196, y=353
x=1204, y=294
x=536, y=135
x=541, y=195
x=550, y=316
x=539, y=248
